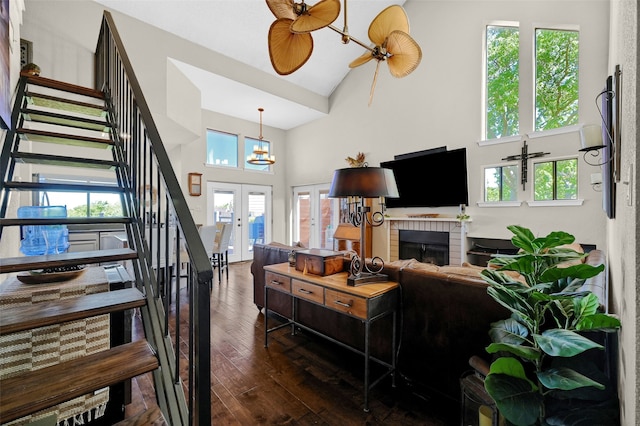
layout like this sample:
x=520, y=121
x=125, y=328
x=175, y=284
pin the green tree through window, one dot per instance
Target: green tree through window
x=503, y=81
x=501, y=183
x=556, y=180
x=556, y=78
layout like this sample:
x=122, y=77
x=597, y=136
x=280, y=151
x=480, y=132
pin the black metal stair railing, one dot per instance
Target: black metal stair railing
x=156, y=201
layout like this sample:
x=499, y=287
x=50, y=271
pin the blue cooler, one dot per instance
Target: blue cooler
x=43, y=239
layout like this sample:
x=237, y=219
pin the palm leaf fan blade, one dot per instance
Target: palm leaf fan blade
x=288, y=51
x=390, y=19
x=318, y=16
x=282, y=8
x=366, y=57
x=405, y=54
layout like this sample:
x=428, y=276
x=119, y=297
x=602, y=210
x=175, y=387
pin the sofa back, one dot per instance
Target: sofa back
x=446, y=318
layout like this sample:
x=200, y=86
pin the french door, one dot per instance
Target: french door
x=315, y=216
x=248, y=208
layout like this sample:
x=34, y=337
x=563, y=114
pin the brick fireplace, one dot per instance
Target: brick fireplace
x=455, y=229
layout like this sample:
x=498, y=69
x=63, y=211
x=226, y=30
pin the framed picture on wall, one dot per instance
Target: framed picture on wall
x=5, y=93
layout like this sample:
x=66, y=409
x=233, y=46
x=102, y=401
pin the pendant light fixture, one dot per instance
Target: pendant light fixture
x=260, y=156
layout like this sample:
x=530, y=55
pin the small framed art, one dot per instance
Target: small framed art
x=195, y=184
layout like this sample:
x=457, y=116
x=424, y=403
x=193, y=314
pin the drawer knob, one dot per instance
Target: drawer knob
x=274, y=282
x=303, y=291
x=346, y=305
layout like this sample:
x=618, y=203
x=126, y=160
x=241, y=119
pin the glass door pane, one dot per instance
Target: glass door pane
x=315, y=216
x=257, y=217
x=248, y=208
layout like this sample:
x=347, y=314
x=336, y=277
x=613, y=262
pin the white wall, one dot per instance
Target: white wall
x=440, y=104
x=624, y=230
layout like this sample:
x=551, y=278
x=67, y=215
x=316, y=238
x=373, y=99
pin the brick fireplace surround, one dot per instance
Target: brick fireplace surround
x=456, y=230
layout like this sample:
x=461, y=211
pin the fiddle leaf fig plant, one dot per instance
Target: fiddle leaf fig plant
x=541, y=374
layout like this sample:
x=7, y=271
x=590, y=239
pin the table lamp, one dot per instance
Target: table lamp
x=356, y=184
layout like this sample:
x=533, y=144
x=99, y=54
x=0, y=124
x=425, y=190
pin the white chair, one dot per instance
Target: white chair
x=208, y=236
x=220, y=257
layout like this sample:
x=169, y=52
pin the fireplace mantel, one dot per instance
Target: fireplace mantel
x=388, y=239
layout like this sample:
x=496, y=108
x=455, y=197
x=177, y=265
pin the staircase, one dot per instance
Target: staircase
x=109, y=130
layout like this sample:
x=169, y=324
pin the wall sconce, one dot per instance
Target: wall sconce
x=356, y=184
x=591, y=142
x=195, y=184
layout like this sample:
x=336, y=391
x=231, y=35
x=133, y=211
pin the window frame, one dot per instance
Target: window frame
x=237, y=149
x=535, y=29
x=248, y=142
x=527, y=83
x=62, y=178
x=484, y=187
x=554, y=183
x=485, y=77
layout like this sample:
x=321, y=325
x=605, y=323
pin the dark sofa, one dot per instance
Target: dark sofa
x=445, y=316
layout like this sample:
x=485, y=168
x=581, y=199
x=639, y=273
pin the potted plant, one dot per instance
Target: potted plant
x=542, y=373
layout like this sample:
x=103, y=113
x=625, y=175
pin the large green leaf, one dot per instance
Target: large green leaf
x=598, y=322
x=565, y=379
x=565, y=343
x=510, y=299
x=582, y=270
x=526, y=352
x=555, y=239
x=510, y=366
x=508, y=331
x=517, y=398
x=588, y=305
x=523, y=238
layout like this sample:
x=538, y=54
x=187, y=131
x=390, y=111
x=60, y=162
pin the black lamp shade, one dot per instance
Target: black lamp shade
x=366, y=182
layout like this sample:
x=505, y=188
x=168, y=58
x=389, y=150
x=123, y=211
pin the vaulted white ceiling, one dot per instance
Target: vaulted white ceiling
x=238, y=29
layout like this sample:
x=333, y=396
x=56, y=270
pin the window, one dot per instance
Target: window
x=222, y=148
x=249, y=146
x=501, y=183
x=554, y=94
x=503, y=82
x=556, y=79
x=81, y=204
x=556, y=180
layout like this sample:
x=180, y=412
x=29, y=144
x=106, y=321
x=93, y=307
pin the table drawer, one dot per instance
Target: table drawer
x=277, y=281
x=304, y=290
x=343, y=302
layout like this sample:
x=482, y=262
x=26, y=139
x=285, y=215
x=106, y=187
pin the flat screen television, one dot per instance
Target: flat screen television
x=435, y=178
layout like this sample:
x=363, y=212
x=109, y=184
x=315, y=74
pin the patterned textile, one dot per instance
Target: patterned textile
x=50, y=345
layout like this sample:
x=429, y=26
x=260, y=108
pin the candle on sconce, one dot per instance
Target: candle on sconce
x=485, y=416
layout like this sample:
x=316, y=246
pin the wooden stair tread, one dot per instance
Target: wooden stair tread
x=71, y=105
x=65, y=87
x=151, y=416
x=60, y=160
x=44, y=136
x=36, y=390
x=27, y=263
x=52, y=312
x=30, y=221
x=48, y=117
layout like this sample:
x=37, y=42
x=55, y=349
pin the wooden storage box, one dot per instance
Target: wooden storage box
x=319, y=261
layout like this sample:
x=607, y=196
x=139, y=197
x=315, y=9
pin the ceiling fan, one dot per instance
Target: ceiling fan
x=291, y=44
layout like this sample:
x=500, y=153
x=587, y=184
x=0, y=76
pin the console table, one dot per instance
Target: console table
x=366, y=303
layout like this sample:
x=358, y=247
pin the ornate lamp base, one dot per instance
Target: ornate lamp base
x=366, y=278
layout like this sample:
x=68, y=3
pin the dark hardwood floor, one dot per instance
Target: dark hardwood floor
x=298, y=380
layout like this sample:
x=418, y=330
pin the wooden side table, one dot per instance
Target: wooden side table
x=367, y=303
